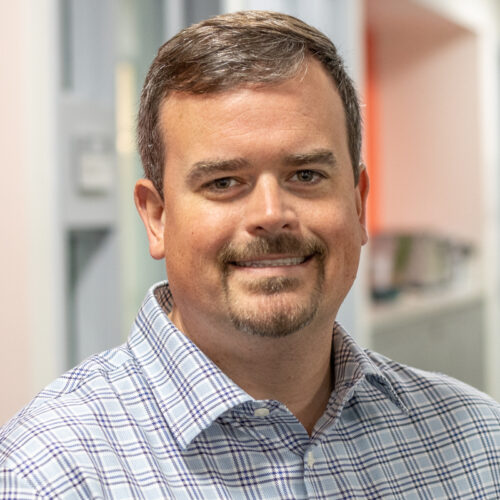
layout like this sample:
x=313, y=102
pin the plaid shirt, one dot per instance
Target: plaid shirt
x=156, y=419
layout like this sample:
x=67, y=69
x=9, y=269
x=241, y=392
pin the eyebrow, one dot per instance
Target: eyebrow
x=205, y=168
x=320, y=156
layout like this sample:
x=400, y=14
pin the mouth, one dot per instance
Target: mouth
x=273, y=262
x=281, y=256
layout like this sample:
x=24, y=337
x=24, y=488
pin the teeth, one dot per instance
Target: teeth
x=292, y=261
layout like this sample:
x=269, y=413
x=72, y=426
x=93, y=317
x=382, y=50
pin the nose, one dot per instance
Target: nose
x=269, y=208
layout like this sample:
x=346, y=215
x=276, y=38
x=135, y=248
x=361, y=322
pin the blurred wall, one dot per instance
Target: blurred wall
x=14, y=322
x=33, y=338
x=28, y=341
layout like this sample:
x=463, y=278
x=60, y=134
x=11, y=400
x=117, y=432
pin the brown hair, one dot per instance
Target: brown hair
x=233, y=49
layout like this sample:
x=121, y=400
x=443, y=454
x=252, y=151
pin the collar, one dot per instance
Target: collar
x=193, y=392
x=353, y=365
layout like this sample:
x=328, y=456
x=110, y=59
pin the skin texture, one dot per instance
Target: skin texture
x=255, y=175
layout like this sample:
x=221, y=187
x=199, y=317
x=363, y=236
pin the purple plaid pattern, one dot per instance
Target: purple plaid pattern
x=155, y=419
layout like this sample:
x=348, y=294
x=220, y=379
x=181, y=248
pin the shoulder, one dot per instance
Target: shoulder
x=448, y=424
x=431, y=395
x=67, y=419
x=86, y=382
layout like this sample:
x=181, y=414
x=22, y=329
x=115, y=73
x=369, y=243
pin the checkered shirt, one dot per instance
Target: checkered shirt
x=155, y=419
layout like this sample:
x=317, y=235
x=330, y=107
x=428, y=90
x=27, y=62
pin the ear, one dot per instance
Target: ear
x=361, y=196
x=151, y=210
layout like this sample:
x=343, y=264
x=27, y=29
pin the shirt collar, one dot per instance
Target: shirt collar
x=352, y=364
x=193, y=392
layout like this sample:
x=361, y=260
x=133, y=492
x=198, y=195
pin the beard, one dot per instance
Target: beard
x=278, y=315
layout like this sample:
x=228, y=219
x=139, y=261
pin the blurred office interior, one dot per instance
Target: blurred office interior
x=74, y=257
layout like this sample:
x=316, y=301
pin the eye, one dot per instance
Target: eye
x=221, y=188
x=221, y=184
x=307, y=176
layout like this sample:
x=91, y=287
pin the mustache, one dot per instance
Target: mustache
x=280, y=244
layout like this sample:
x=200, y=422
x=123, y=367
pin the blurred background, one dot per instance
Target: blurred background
x=74, y=260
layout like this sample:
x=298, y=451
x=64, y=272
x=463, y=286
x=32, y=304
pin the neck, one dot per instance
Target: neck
x=295, y=370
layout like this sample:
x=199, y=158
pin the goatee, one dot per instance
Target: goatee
x=281, y=316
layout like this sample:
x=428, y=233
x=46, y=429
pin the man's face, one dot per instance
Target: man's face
x=262, y=223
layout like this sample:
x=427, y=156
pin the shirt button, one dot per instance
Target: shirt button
x=261, y=412
x=310, y=460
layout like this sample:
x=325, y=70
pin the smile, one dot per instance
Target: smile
x=289, y=261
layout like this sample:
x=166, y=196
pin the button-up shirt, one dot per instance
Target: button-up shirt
x=155, y=418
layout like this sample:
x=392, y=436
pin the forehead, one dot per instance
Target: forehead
x=305, y=106
x=310, y=75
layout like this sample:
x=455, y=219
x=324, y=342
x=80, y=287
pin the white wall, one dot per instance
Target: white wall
x=30, y=342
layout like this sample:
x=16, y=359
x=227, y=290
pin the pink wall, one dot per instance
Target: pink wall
x=429, y=162
x=15, y=249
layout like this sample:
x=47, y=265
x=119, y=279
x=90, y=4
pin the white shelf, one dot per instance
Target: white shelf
x=411, y=305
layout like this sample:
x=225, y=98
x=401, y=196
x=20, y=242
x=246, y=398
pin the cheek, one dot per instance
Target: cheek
x=337, y=222
x=194, y=235
x=342, y=233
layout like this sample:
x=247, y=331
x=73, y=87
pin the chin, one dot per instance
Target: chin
x=274, y=315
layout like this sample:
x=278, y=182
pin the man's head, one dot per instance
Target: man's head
x=251, y=196
x=231, y=50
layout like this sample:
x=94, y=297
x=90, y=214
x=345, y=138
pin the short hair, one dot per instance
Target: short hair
x=248, y=47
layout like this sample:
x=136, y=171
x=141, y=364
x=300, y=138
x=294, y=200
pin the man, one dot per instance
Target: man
x=236, y=382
